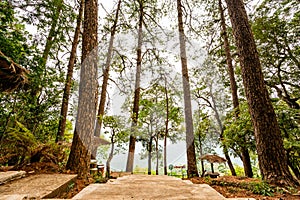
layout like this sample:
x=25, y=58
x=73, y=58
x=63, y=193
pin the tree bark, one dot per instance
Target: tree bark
x=230, y=165
x=166, y=129
x=79, y=158
x=150, y=153
x=165, y=155
x=191, y=155
x=246, y=162
x=67, y=89
x=135, y=111
x=235, y=100
x=77, y=161
x=271, y=154
x=157, y=154
x=201, y=154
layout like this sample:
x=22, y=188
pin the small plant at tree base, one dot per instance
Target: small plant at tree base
x=71, y=186
x=207, y=179
x=262, y=188
x=233, y=189
x=98, y=177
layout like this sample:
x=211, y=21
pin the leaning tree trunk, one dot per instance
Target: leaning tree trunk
x=111, y=154
x=66, y=95
x=135, y=111
x=271, y=154
x=106, y=70
x=106, y=73
x=79, y=158
x=190, y=146
x=221, y=127
x=233, y=86
x=230, y=165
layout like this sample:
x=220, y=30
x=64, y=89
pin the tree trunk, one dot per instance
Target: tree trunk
x=233, y=85
x=191, y=155
x=135, y=113
x=106, y=73
x=221, y=127
x=106, y=70
x=165, y=155
x=67, y=89
x=149, y=155
x=244, y=151
x=212, y=167
x=271, y=154
x=166, y=129
x=201, y=154
x=79, y=158
x=230, y=165
x=110, y=157
x=246, y=162
x=157, y=155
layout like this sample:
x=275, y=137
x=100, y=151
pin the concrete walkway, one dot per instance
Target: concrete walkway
x=148, y=187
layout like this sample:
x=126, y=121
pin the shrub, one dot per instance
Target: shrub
x=262, y=188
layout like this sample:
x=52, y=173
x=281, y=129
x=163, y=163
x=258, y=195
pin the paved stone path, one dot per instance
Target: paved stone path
x=148, y=187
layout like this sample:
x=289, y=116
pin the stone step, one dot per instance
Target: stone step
x=8, y=176
x=37, y=186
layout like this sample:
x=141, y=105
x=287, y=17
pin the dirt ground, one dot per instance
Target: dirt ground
x=233, y=187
